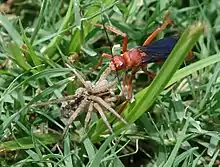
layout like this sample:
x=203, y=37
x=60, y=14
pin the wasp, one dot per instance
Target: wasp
x=139, y=57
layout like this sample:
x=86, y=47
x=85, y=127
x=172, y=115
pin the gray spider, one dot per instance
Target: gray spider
x=99, y=96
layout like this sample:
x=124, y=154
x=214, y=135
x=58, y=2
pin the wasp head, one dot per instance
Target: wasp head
x=117, y=63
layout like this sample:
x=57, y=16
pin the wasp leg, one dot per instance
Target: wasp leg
x=151, y=74
x=158, y=30
x=122, y=88
x=117, y=32
x=129, y=91
x=104, y=55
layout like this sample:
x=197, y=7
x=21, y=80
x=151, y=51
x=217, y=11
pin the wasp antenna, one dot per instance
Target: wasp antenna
x=110, y=46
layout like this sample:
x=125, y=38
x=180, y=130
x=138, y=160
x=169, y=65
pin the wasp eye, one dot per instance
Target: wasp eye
x=120, y=64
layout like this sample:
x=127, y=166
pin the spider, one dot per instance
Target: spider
x=97, y=96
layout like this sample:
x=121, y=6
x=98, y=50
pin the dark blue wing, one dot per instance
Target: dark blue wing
x=158, y=50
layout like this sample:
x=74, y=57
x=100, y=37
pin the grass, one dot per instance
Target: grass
x=174, y=120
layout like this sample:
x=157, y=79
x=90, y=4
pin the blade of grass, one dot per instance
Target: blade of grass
x=184, y=156
x=11, y=30
x=18, y=57
x=209, y=87
x=212, y=146
x=100, y=153
x=40, y=96
x=214, y=158
x=31, y=51
x=56, y=40
x=175, y=59
x=46, y=73
x=26, y=142
x=89, y=147
x=93, y=18
x=39, y=20
x=77, y=14
x=186, y=71
x=181, y=136
x=67, y=152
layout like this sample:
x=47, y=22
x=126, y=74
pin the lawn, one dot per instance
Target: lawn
x=57, y=110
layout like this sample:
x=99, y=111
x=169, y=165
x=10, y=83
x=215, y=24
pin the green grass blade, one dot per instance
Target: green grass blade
x=26, y=142
x=190, y=69
x=214, y=158
x=39, y=20
x=92, y=18
x=31, y=51
x=18, y=57
x=181, y=136
x=175, y=59
x=11, y=30
x=186, y=71
x=56, y=40
x=180, y=158
x=67, y=152
x=43, y=74
x=101, y=152
x=39, y=97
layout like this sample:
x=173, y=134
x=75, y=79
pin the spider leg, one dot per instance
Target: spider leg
x=87, y=84
x=99, y=109
x=110, y=99
x=107, y=106
x=123, y=87
x=129, y=91
x=74, y=114
x=88, y=115
x=103, y=86
x=104, y=75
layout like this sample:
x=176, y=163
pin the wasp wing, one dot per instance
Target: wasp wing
x=158, y=50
